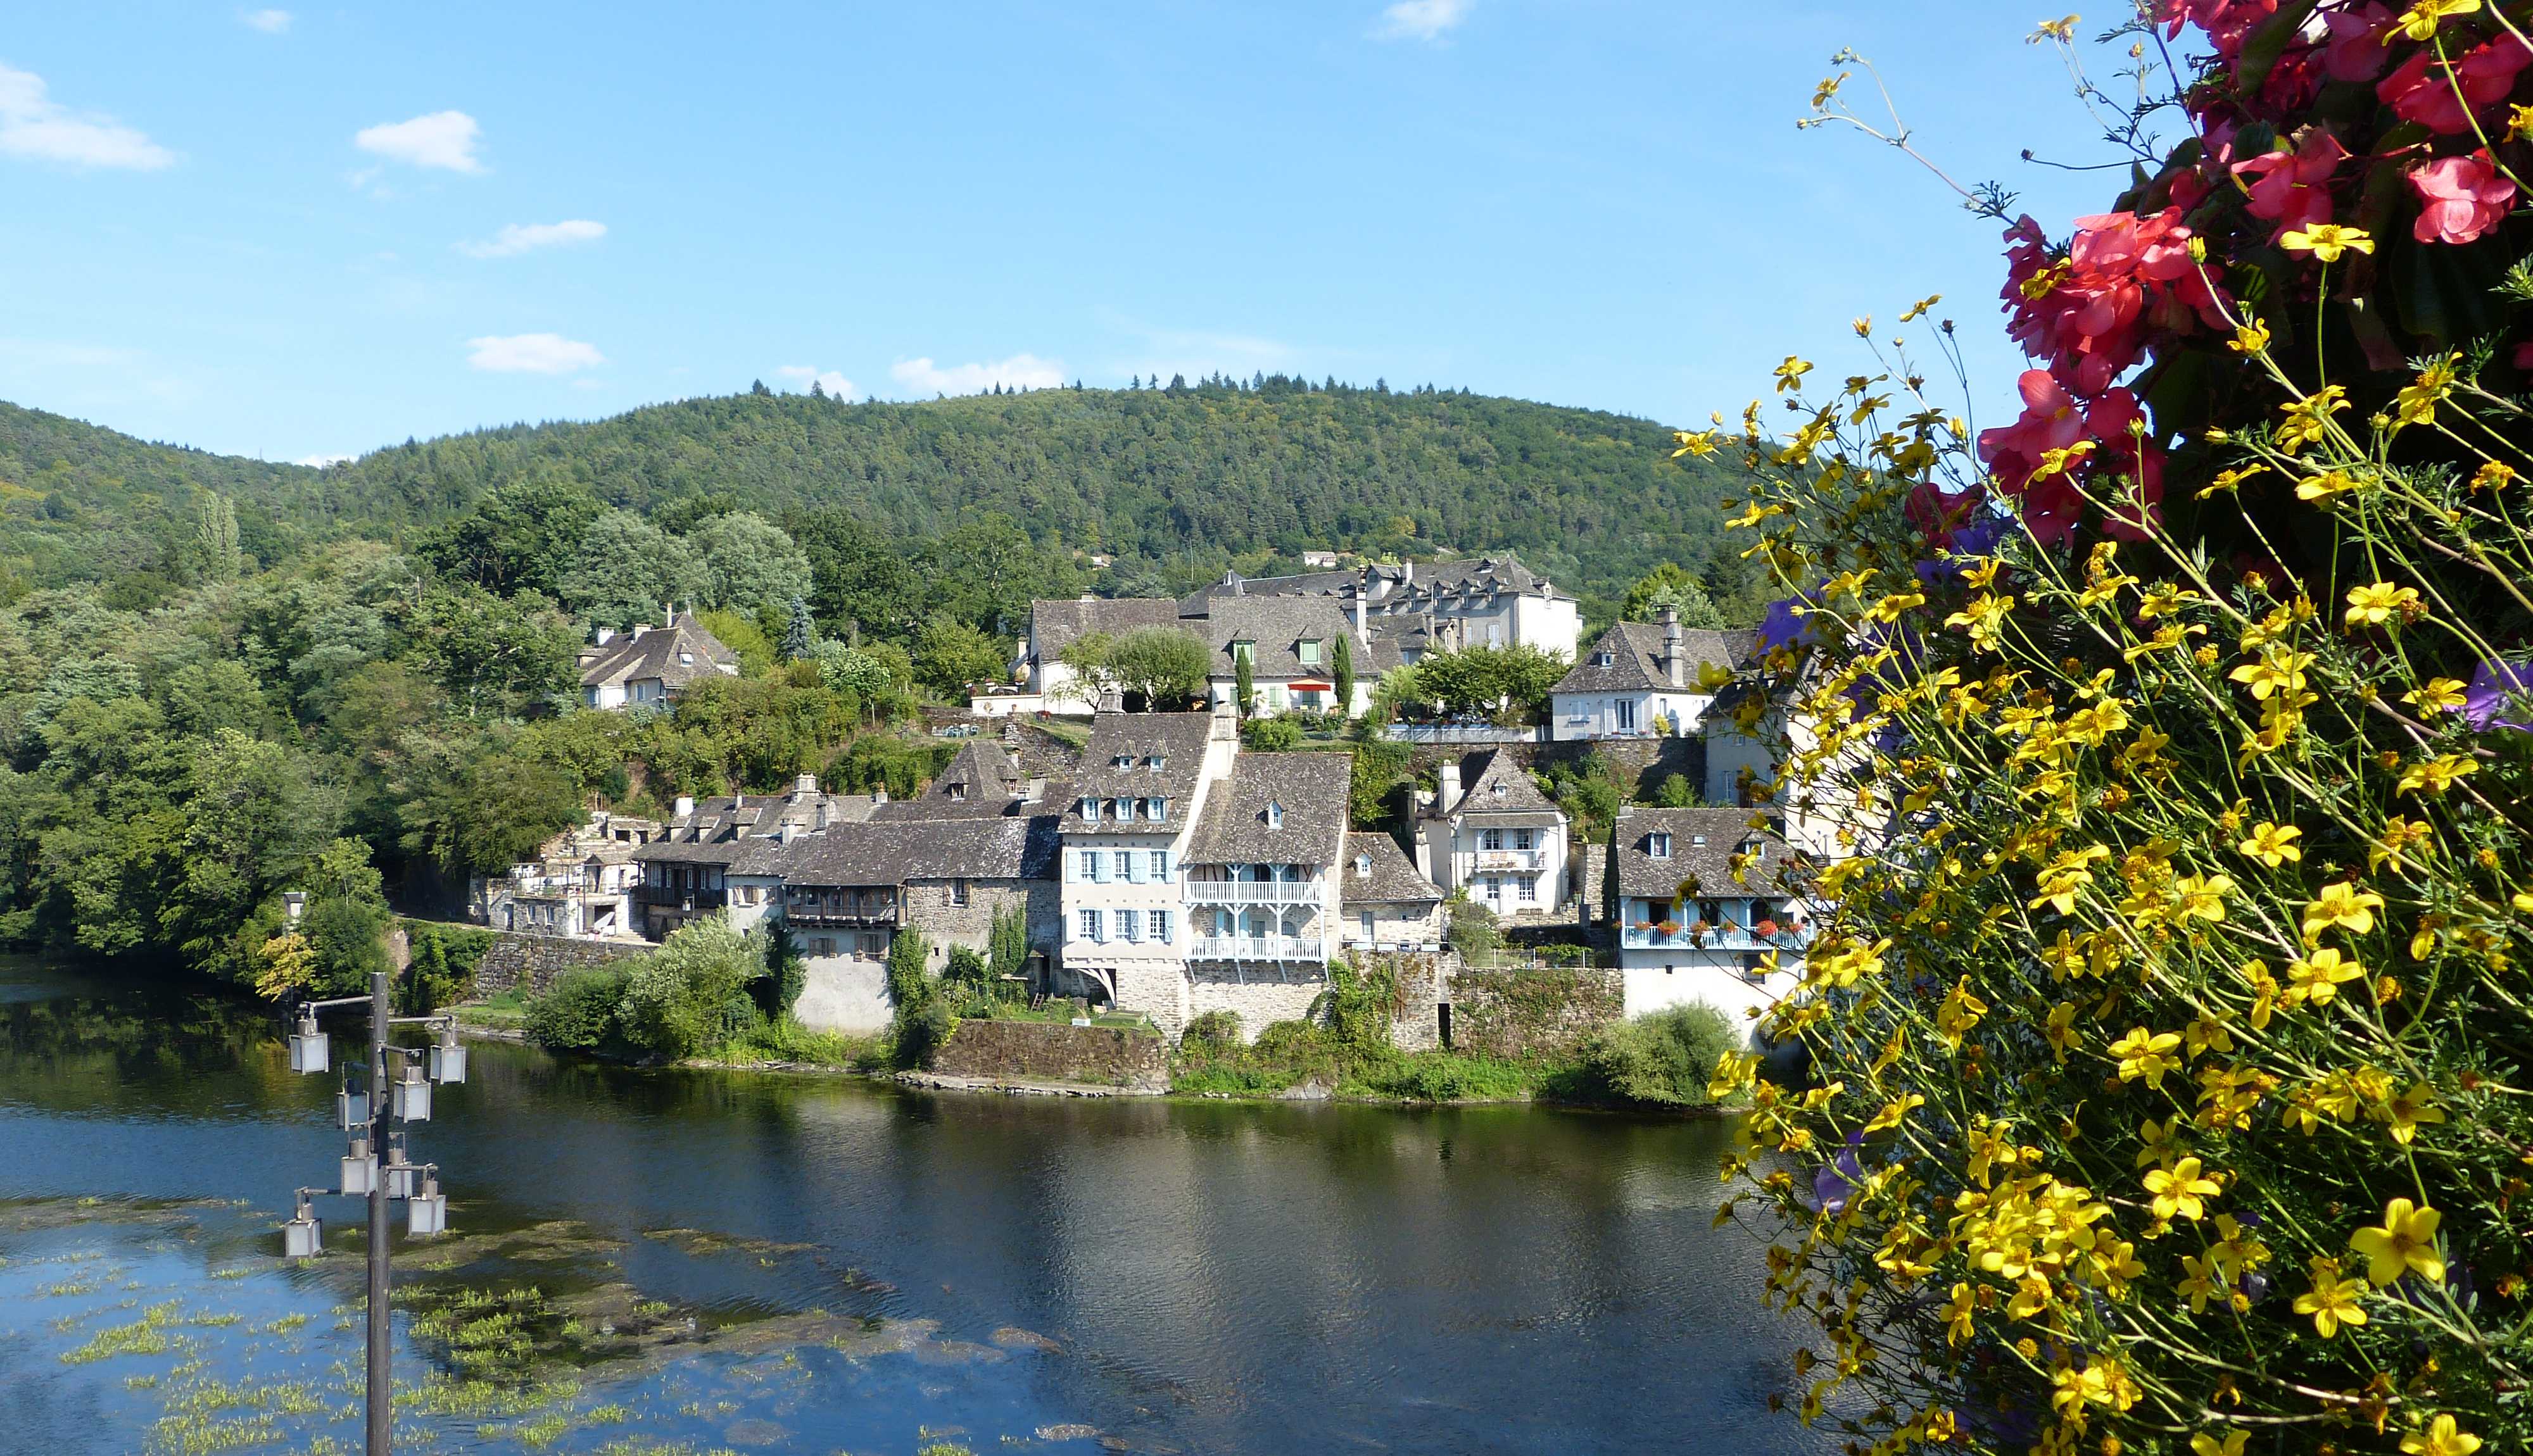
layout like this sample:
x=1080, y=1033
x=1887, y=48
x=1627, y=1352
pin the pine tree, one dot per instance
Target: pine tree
x=216, y=538
x=1345, y=675
x=802, y=635
x=1243, y=688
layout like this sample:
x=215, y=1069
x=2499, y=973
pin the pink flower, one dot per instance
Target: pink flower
x=2129, y=466
x=2464, y=197
x=2124, y=463
x=2422, y=88
x=2292, y=188
x=2051, y=421
x=2355, y=50
x=2226, y=21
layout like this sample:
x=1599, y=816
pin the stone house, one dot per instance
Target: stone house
x=694, y=866
x=1500, y=839
x=581, y=883
x=651, y=667
x=1291, y=645
x=1136, y=797
x=1385, y=904
x=1645, y=679
x=1262, y=890
x=1697, y=904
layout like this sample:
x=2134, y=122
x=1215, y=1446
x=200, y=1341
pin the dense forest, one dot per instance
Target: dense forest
x=1175, y=483
x=221, y=678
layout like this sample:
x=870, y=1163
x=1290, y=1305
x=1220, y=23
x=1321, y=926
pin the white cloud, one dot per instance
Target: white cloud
x=321, y=461
x=835, y=383
x=444, y=139
x=518, y=238
x=1023, y=371
x=532, y=354
x=1420, y=20
x=269, y=22
x=34, y=125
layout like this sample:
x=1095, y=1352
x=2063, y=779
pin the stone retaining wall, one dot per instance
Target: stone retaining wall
x=528, y=963
x=1521, y=1013
x=1041, y=1052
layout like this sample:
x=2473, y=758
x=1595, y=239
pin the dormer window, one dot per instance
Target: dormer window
x=957, y=793
x=1657, y=845
x=1498, y=790
x=1310, y=651
x=1605, y=659
x=1154, y=763
x=1156, y=810
x=1244, y=650
x=1122, y=761
x=1698, y=839
x=686, y=658
x=1123, y=810
x=1363, y=865
x=1274, y=815
x=1090, y=810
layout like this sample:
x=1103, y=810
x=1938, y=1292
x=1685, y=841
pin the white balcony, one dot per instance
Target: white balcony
x=1256, y=948
x=1645, y=937
x=1252, y=891
x=1511, y=859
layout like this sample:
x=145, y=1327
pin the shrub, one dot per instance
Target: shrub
x=692, y=991
x=1272, y=734
x=577, y=1014
x=1663, y=1059
x=1213, y=1028
x=443, y=969
x=1675, y=792
x=1473, y=930
x=2169, y=1033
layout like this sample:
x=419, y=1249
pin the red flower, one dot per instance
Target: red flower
x=2292, y=188
x=2122, y=462
x=2226, y=21
x=2355, y=50
x=2464, y=197
x=2129, y=464
x=2422, y=88
x=2051, y=420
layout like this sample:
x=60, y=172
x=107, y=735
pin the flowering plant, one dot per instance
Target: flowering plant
x=2169, y=1028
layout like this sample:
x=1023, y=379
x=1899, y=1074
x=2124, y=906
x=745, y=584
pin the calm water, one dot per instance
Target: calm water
x=795, y=1264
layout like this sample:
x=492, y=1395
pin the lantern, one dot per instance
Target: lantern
x=427, y=1212
x=447, y=1058
x=303, y=1237
x=352, y=1109
x=307, y=1045
x=360, y=1170
x=412, y=1090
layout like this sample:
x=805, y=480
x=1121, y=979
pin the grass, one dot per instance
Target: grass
x=507, y=1010
x=1291, y=1054
x=147, y=1335
x=784, y=1039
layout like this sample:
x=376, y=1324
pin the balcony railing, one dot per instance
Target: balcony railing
x=834, y=915
x=1254, y=947
x=1513, y=860
x=678, y=898
x=1252, y=891
x=1717, y=938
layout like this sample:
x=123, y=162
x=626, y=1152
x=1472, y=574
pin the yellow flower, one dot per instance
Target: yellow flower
x=1892, y=1111
x=1699, y=443
x=2318, y=977
x=2203, y=896
x=2438, y=695
x=2404, y=1113
x=2208, y=1445
x=2442, y=1438
x=2181, y=1189
x=2061, y=1029
x=2375, y=604
x=2251, y=337
x=2327, y=485
x=2228, y=480
x=2405, y=1244
x=2332, y=1300
x=1790, y=375
x=2421, y=19
x=2416, y=404
x=2328, y=240
x=1918, y=310
x=2342, y=906
x=2393, y=846
x=1957, y=1314
x=2279, y=669
x=2438, y=774
x=2200, y=1284
x=2493, y=476
x=2272, y=844
x=2147, y=1054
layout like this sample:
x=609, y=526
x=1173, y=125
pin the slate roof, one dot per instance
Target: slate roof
x=1176, y=739
x=981, y=782
x=678, y=654
x=1470, y=577
x=892, y=853
x=1710, y=864
x=1330, y=583
x=691, y=851
x=1311, y=790
x=1056, y=625
x=1278, y=625
x=1391, y=879
x=1636, y=649
x=1483, y=775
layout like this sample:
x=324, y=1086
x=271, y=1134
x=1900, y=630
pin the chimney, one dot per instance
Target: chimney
x=822, y=815
x=1087, y=596
x=1450, y=796
x=1362, y=630
x=603, y=636
x=788, y=833
x=738, y=801
x=804, y=785
x=879, y=795
x=1675, y=671
x=685, y=806
x=640, y=627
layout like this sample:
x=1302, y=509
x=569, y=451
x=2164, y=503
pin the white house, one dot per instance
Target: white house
x=1645, y=679
x=1136, y=802
x=651, y=667
x=1688, y=927
x=1499, y=838
x=1262, y=891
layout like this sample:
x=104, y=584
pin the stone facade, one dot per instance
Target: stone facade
x=933, y=907
x=1261, y=1001
x=1425, y=985
x=529, y=964
x=1036, y=1051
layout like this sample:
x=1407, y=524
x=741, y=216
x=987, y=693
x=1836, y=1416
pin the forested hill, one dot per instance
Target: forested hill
x=1175, y=483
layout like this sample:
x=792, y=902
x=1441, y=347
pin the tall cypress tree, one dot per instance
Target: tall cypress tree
x=1345, y=675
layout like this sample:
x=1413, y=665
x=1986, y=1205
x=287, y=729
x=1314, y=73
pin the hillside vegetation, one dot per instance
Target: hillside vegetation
x=1175, y=483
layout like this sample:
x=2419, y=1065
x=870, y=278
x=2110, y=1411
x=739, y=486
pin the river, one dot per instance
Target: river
x=682, y=1261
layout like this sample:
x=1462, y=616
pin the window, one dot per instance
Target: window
x=1095, y=866
x=1122, y=761
x=1245, y=651
x=1130, y=925
x=1123, y=811
x=958, y=892
x=1153, y=763
x=957, y=793
x=825, y=945
x=1162, y=927
x=1368, y=920
x=1161, y=866
x=1657, y=845
x=1529, y=888
x=1491, y=839
x=1495, y=887
x=1091, y=926
x=1522, y=839
x=1310, y=651
x=1156, y=810
x=875, y=946
x=1274, y=815
x=1090, y=810
x=1623, y=716
x=1363, y=865
x=1605, y=659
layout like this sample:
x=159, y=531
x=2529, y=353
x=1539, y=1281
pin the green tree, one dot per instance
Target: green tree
x=628, y=571
x=521, y=537
x=948, y=655
x=1163, y=666
x=694, y=991
x=495, y=656
x=1675, y=792
x=1344, y=669
x=749, y=563
x=475, y=806
x=1244, y=685
x=800, y=633
x=1007, y=945
x=1668, y=585
x=215, y=539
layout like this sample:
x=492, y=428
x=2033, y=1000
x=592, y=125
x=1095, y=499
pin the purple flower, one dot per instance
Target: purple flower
x=1783, y=627
x=2500, y=687
x=1838, y=1178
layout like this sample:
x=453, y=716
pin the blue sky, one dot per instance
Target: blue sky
x=316, y=230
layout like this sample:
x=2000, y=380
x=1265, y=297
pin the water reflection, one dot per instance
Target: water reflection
x=1186, y=1275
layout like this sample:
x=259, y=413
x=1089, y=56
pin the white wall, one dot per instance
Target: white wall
x=1653, y=983
x=1549, y=843
x=841, y=992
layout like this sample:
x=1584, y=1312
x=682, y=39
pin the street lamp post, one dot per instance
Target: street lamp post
x=369, y=1121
